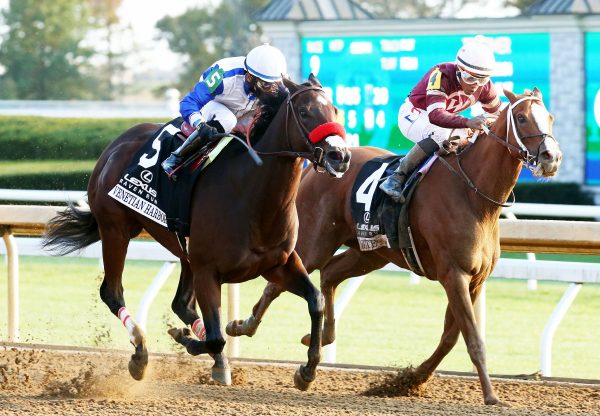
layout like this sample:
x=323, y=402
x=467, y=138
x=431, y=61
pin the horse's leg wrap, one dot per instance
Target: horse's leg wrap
x=139, y=360
x=199, y=330
x=136, y=335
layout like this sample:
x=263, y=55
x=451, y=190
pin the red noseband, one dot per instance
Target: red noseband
x=327, y=129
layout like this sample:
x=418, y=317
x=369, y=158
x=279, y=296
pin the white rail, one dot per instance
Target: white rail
x=41, y=196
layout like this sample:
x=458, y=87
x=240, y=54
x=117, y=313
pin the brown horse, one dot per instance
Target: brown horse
x=454, y=225
x=243, y=223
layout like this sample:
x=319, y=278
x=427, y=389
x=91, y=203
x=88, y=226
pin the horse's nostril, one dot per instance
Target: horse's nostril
x=547, y=155
x=335, y=155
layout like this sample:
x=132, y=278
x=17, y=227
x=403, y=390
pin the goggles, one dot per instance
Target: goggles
x=267, y=87
x=472, y=79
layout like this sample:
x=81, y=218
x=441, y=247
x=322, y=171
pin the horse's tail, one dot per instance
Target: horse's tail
x=71, y=230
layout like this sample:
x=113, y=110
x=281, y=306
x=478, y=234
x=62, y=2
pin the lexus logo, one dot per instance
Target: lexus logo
x=146, y=176
x=367, y=217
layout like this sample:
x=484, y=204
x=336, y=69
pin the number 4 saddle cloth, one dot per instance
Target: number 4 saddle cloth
x=381, y=222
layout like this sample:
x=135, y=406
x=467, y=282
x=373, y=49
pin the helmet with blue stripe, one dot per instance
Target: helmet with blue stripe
x=266, y=62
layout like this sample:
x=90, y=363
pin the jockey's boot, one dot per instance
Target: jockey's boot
x=394, y=183
x=176, y=159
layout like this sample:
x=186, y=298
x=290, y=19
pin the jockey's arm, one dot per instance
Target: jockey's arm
x=490, y=102
x=438, y=115
x=210, y=86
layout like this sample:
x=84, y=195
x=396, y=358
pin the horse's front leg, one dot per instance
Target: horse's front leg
x=293, y=277
x=207, y=291
x=460, y=301
x=249, y=326
x=114, y=251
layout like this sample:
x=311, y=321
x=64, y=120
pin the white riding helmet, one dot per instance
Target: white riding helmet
x=476, y=58
x=266, y=62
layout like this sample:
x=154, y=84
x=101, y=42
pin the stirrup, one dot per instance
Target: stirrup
x=392, y=185
x=172, y=166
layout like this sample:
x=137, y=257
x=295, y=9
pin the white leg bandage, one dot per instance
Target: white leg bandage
x=198, y=329
x=128, y=322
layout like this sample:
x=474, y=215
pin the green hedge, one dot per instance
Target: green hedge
x=71, y=181
x=43, y=138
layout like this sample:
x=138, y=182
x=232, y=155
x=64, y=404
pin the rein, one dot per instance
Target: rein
x=521, y=151
x=463, y=175
x=316, y=156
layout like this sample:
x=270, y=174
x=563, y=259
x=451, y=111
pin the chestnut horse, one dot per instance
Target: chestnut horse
x=454, y=225
x=243, y=223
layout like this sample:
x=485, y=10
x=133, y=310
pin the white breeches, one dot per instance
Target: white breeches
x=215, y=110
x=415, y=125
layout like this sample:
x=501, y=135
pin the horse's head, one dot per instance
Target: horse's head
x=529, y=129
x=312, y=127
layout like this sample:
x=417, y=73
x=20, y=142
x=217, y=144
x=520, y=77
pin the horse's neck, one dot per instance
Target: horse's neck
x=279, y=176
x=492, y=168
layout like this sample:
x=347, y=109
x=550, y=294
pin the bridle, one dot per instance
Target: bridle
x=529, y=160
x=521, y=151
x=316, y=157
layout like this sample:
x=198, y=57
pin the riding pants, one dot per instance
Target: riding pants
x=415, y=125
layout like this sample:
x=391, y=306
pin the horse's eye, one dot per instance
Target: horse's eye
x=303, y=113
x=521, y=119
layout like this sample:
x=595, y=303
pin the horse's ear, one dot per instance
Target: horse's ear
x=314, y=81
x=537, y=93
x=510, y=95
x=290, y=85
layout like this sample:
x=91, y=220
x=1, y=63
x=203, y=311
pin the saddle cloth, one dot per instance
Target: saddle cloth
x=145, y=188
x=375, y=214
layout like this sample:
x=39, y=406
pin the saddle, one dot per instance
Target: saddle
x=146, y=189
x=381, y=222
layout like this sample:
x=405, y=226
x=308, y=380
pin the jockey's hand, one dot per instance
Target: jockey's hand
x=477, y=123
x=206, y=131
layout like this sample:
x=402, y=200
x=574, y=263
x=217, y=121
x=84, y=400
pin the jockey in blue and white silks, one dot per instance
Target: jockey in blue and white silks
x=227, y=91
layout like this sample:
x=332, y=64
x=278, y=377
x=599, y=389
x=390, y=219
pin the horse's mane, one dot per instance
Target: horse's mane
x=265, y=114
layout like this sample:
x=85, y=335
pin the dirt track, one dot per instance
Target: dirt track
x=44, y=382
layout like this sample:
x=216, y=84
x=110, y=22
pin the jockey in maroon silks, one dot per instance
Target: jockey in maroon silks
x=429, y=116
x=226, y=92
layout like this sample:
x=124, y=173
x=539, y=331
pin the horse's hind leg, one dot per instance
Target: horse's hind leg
x=460, y=298
x=350, y=263
x=448, y=340
x=184, y=302
x=114, y=250
x=249, y=326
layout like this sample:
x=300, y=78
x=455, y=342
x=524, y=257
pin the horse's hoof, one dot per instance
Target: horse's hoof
x=494, y=401
x=232, y=328
x=178, y=334
x=138, y=362
x=306, y=340
x=222, y=375
x=299, y=381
